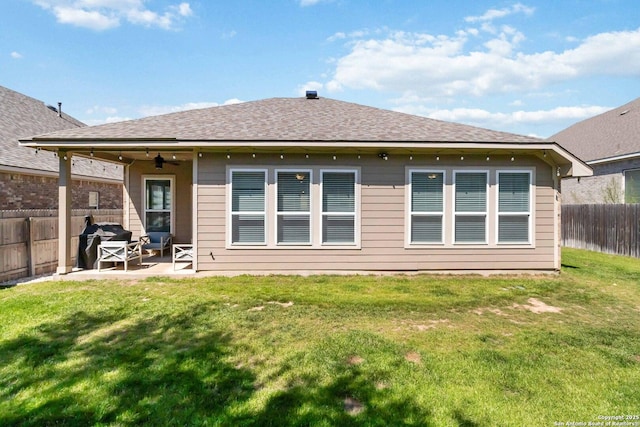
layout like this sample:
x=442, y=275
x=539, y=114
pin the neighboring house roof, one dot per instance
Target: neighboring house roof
x=295, y=124
x=22, y=116
x=613, y=135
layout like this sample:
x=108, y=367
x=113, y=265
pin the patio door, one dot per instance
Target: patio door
x=159, y=203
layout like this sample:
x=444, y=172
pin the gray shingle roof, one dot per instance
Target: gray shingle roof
x=610, y=134
x=290, y=119
x=22, y=116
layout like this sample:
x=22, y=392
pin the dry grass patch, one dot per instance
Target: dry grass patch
x=537, y=306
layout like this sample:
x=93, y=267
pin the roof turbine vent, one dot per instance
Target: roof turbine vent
x=312, y=94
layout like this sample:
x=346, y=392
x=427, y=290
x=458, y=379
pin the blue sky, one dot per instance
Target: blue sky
x=532, y=67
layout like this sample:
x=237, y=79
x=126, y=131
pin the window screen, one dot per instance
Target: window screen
x=514, y=210
x=427, y=205
x=338, y=207
x=470, y=207
x=248, y=207
x=632, y=186
x=294, y=207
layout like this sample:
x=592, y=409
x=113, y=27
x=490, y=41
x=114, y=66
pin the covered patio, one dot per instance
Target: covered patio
x=152, y=265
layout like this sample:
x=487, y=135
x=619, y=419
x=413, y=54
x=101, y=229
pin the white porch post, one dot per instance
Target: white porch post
x=64, y=213
x=194, y=210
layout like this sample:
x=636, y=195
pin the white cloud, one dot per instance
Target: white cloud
x=341, y=35
x=229, y=34
x=108, y=119
x=155, y=110
x=304, y=3
x=428, y=65
x=232, y=101
x=492, y=14
x=184, y=9
x=302, y=89
x=99, y=109
x=337, y=36
x=83, y=18
x=480, y=117
x=102, y=15
x=16, y=55
x=112, y=115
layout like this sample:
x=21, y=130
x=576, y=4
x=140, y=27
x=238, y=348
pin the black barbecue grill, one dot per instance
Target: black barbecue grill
x=91, y=237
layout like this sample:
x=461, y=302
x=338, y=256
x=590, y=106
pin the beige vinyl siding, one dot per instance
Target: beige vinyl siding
x=182, y=174
x=383, y=217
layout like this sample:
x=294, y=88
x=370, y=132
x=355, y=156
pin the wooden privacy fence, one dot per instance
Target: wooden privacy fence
x=29, y=239
x=610, y=228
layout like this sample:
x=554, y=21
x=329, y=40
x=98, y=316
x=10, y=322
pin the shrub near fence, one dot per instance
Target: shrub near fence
x=29, y=239
x=609, y=228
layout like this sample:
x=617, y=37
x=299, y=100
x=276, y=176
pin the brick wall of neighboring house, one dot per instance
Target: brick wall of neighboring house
x=605, y=186
x=18, y=191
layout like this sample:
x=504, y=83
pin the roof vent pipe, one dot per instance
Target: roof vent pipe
x=59, y=109
x=312, y=94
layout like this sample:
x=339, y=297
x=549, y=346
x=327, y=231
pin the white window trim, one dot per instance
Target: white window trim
x=624, y=182
x=410, y=213
x=497, y=207
x=172, y=211
x=309, y=213
x=230, y=213
x=271, y=207
x=356, y=213
x=455, y=214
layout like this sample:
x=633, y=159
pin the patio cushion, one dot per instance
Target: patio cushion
x=156, y=241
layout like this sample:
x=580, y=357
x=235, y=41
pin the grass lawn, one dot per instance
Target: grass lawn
x=326, y=350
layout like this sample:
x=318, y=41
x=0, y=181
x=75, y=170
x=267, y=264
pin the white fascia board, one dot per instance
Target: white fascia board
x=573, y=165
x=614, y=159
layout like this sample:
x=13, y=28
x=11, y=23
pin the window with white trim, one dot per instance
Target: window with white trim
x=632, y=186
x=426, y=206
x=248, y=207
x=293, y=207
x=514, y=207
x=470, y=207
x=280, y=207
x=338, y=207
x=158, y=203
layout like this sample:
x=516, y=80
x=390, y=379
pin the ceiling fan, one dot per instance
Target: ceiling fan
x=159, y=161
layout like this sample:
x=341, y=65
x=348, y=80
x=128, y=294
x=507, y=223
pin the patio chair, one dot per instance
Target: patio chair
x=182, y=253
x=118, y=251
x=156, y=241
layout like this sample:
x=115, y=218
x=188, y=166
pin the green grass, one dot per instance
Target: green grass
x=353, y=350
